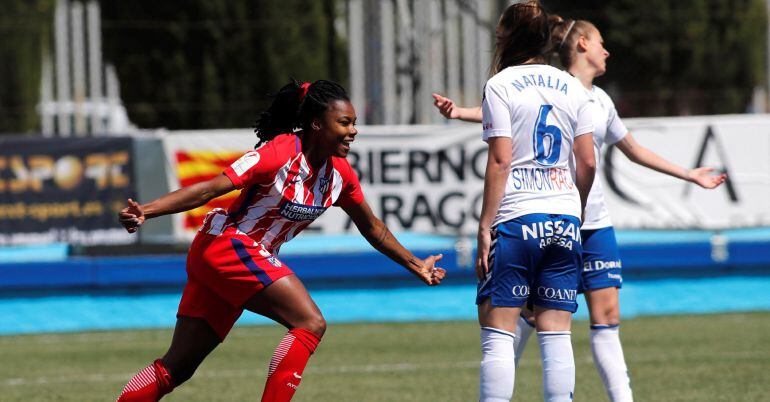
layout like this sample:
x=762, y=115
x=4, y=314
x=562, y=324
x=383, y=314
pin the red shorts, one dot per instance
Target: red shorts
x=223, y=272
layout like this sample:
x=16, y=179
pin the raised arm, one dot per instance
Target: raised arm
x=638, y=154
x=585, y=166
x=449, y=110
x=380, y=237
x=184, y=199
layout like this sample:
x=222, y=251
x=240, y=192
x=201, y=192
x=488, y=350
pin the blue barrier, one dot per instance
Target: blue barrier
x=350, y=257
x=120, y=310
x=35, y=253
x=169, y=270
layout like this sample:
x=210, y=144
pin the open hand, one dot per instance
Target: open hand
x=703, y=177
x=429, y=272
x=445, y=106
x=132, y=216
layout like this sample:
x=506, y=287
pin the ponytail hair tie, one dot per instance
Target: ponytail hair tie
x=303, y=88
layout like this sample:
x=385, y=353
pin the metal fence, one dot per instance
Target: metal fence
x=79, y=93
x=403, y=50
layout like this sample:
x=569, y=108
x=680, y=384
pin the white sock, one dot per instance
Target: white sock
x=608, y=356
x=523, y=330
x=498, y=367
x=558, y=365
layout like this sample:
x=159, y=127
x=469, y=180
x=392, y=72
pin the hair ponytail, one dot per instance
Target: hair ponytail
x=564, y=37
x=281, y=116
x=295, y=106
x=523, y=33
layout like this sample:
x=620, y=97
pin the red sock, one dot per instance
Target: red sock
x=149, y=385
x=287, y=364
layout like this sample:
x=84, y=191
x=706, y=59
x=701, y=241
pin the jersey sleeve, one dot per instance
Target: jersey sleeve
x=351, y=193
x=616, y=130
x=496, y=112
x=584, y=122
x=256, y=167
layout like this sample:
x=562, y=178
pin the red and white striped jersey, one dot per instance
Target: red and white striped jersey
x=281, y=194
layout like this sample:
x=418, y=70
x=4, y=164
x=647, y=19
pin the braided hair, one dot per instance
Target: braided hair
x=295, y=106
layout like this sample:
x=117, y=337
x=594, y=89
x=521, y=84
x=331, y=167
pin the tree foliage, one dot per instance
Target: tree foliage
x=207, y=64
x=679, y=57
x=25, y=31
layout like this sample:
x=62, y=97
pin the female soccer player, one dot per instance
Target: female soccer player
x=299, y=171
x=580, y=48
x=535, y=117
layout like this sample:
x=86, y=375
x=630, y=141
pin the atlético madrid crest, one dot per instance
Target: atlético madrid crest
x=324, y=184
x=270, y=258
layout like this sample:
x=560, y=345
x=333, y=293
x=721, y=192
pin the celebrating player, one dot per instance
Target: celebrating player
x=580, y=48
x=535, y=117
x=299, y=171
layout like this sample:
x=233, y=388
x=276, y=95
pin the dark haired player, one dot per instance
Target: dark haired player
x=536, y=121
x=297, y=173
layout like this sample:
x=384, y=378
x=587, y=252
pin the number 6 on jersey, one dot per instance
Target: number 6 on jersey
x=546, y=139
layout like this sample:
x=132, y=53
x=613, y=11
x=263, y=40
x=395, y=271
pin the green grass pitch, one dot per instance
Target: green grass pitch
x=675, y=358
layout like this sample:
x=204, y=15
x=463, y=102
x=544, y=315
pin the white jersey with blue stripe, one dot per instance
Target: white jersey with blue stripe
x=608, y=129
x=542, y=109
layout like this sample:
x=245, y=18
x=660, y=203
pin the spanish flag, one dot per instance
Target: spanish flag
x=197, y=166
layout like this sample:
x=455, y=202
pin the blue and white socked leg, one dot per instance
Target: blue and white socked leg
x=558, y=365
x=608, y=356
x=498, y=367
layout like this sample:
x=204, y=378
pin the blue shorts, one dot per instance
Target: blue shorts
x=601, y=260
x=537, y=252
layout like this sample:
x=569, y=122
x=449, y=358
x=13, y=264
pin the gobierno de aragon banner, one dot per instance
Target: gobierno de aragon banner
x=64, y=190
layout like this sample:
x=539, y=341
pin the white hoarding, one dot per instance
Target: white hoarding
x=429, y=179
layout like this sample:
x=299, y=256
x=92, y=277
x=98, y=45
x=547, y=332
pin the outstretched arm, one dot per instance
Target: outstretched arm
x=637, y=153
x=184, y=199
x=449, y=110
x=380, y=237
